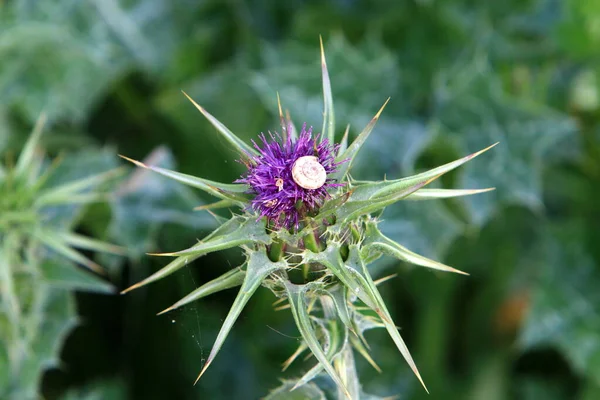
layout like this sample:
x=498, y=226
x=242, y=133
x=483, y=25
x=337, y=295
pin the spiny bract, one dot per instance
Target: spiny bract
x=309, y=242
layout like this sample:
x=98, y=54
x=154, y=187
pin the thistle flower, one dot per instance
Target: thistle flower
x=289, y=178
x=320, y=267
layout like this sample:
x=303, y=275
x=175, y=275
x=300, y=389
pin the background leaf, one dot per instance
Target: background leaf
x=565, y=305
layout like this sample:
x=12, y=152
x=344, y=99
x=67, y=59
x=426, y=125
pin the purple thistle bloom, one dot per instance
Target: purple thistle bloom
x=281, y=195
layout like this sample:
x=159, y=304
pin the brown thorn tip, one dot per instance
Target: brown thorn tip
x=136, y=162
x=376, y=117
x=198, y=106
x=323, y=62
x=458, y=271
x=484, y=150
x=165, y=310
x=202, y=371
x=129, y=289
x=416, y=372
x=279, y=106
x=490, y=146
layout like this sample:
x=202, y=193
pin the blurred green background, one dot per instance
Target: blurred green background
x=461, y=74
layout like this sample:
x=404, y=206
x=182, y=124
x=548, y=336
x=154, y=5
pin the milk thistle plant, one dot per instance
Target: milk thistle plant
x=308, y=231
x=40, y=264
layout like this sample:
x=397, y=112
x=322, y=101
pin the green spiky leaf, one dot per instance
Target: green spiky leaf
x=368, y=198
x=226, y=203
x=259, y=267
x=335, y=338
x=355, y=263
x=301, y=349
x=382, y=189
x=344, y=142
x=235, y=232
x=228, y=280
x=356, y=145
x=298, y=305
x=226, y=191
x=145, y=201
x=363, y=351
x=434, y=194
x=236, y=142
x=377, y=241
x=328, y=130
x=353, y=209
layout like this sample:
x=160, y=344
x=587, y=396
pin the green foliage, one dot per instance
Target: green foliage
x=41, y=262
x=460, y=74
x=564, y=311
x=527, y=131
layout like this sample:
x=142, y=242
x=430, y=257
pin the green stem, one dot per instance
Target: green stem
x=310, y=242
x=276, y=251
x=305, y=271
x=344, y=252
x=355, y=233
x=346, y=367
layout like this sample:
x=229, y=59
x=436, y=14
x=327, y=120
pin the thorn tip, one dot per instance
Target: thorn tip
x=376, y=117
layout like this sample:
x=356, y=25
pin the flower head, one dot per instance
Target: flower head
x=290, y=177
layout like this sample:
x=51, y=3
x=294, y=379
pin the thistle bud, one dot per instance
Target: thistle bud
x=308, y=233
